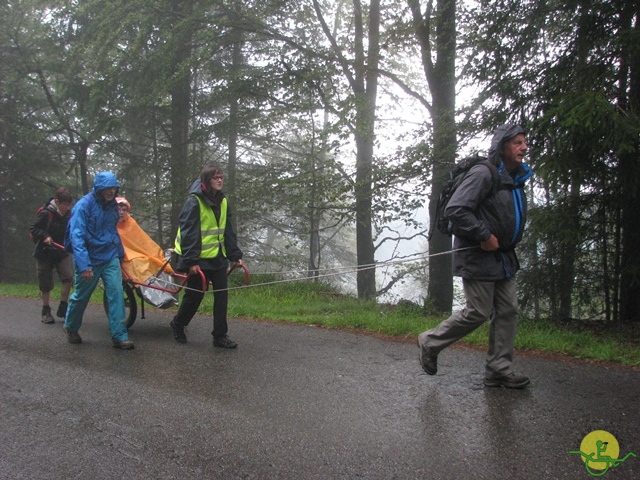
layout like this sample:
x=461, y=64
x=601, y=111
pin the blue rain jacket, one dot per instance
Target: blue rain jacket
x=92, y=233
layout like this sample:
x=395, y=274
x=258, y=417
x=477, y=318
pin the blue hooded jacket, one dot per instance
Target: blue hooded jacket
x=92, y=233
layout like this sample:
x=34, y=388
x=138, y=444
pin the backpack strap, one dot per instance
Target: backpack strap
x=495, y=176
x=497, y=183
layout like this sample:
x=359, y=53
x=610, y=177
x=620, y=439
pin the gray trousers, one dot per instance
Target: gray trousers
x=496, y=301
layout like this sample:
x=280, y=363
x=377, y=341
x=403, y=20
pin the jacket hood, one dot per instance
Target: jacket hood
x=196, y=187
x=212, y=198
x=502, y=134
x=51, y=205
x=105, y=180
x=123, y=201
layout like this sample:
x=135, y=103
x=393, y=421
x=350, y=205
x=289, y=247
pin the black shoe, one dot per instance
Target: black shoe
x=178, y=332
x=72, y=337
x=508, y=381
x=62, y=310
x=46, y=315
x=224, y=342
x=428, y=359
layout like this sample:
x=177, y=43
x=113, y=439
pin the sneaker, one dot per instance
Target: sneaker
x=428, y=359
x=224, y=342
x=72, y=337
x=178, y=332
x=124, y=345
x=46, y=315
x=508, y=381
x=62, y=310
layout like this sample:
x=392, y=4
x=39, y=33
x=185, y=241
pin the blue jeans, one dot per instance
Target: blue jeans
x=111, y=276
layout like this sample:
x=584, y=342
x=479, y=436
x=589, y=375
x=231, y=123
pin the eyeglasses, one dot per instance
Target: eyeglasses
x=218, y=177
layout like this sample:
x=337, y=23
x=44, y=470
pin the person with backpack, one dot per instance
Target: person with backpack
x=206, y=242
x=47, y=231
x=92, y=237
x=487, y=223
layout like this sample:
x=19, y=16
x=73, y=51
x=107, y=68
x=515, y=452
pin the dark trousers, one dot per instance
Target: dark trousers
x=193, y=297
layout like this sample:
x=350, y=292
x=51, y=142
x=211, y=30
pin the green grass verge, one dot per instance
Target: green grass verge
x=318, y=304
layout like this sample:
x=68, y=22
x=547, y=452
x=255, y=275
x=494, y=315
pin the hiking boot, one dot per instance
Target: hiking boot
x=224, y=342
x=428, y=359
x=46, y=315
x=178, y=332
x=72, y=337
x=62, y=310
x=124, y=345
x=508, y=381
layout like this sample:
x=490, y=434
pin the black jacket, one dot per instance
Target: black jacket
x=191, y=239
x=49, y=223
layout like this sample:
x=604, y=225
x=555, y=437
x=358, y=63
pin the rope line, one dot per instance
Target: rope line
x=351, y=269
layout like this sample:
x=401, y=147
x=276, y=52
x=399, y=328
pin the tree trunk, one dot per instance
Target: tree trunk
x=366, y=277
x=180, y=92
x=363, y=80
x=2, y=241
x=157, y=169
x=569, y=247
x=365, y=136
x=440, y=291
x=629, y=171
x=441, y=80
x=81, y=151
x=630, y=261
x=230, y=183
x=315, y=214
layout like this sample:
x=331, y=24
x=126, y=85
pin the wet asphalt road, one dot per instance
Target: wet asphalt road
x=292, y=402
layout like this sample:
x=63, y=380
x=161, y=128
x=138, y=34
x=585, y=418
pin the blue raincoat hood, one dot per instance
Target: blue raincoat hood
x=92, y=233
x=105, y=180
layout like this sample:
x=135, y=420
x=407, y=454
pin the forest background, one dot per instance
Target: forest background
x=336, y=123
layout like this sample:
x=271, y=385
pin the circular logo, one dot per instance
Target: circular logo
x=599, y=444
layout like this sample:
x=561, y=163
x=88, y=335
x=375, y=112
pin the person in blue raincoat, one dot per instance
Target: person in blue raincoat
x=92, y=237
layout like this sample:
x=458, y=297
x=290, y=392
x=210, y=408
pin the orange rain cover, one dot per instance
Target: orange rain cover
x=143, y=257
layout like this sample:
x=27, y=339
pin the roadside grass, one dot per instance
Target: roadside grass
x=318, y=304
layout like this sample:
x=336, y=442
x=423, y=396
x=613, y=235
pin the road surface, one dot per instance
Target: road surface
x=292, y=402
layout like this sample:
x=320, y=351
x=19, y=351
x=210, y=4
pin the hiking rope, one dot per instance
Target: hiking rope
x=351, y=269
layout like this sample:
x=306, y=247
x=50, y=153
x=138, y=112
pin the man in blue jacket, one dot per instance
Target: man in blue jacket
x=92, y=237
x=487, y=227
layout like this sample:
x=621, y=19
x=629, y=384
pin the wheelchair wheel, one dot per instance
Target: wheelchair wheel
x=130, y=304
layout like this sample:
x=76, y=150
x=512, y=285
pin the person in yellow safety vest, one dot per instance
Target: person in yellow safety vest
x=206, y=242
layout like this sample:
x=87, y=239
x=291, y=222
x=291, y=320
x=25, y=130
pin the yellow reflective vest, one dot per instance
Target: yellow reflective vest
x=211, y=232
